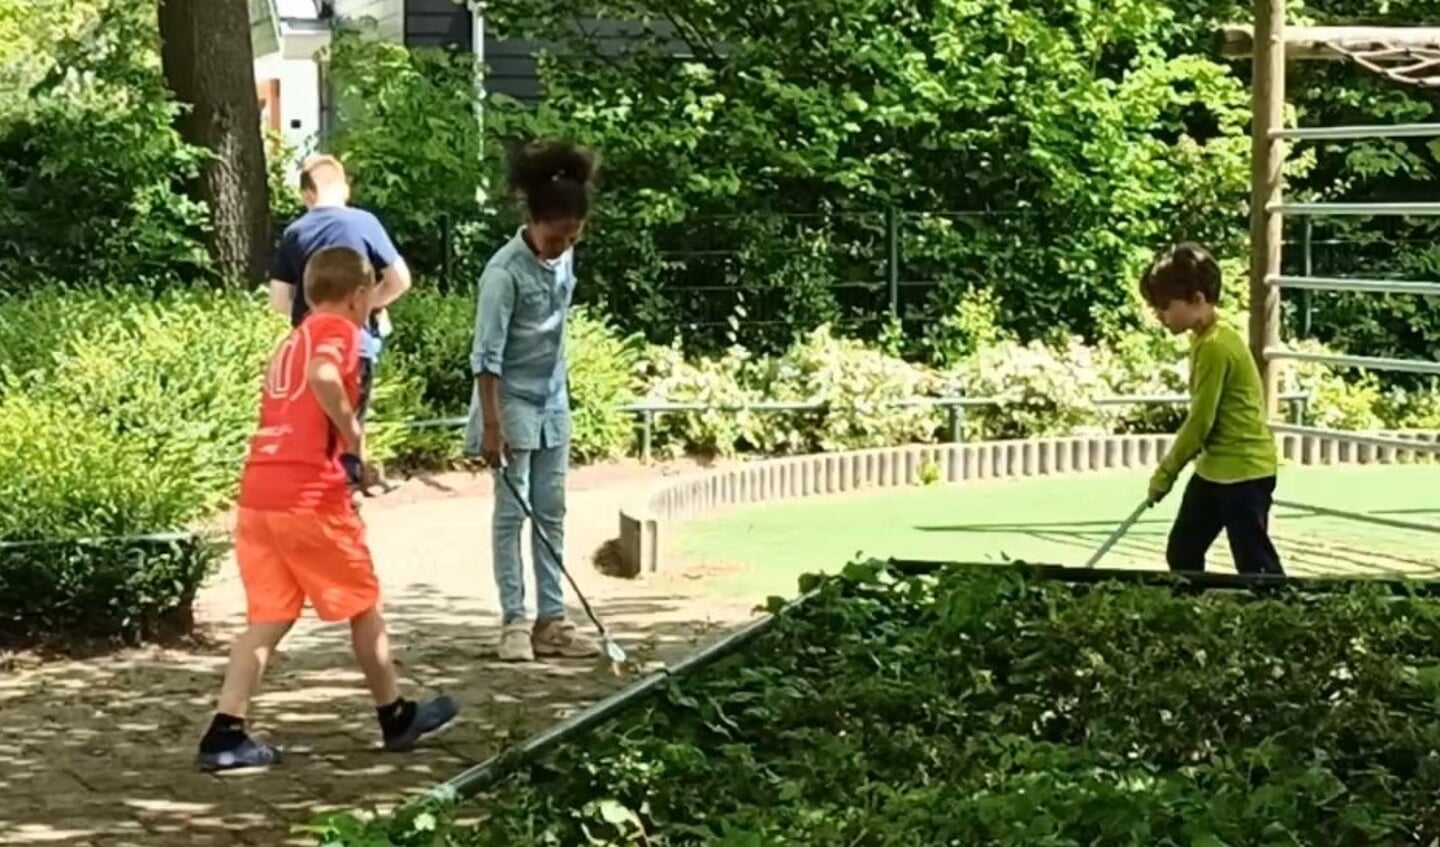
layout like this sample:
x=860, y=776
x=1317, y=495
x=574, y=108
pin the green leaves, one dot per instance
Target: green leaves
x=976, y=707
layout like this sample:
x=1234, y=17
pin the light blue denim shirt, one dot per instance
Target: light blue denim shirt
x=520, y=319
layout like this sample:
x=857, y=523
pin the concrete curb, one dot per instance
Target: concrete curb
x=643, y=524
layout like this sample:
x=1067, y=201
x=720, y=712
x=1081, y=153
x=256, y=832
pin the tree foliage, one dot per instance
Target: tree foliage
x=89, y=159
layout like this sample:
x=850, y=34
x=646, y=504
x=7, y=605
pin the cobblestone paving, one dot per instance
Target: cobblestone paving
x=99, y=750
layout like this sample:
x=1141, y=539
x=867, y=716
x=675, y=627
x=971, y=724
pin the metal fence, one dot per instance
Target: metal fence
x=715, y=276
x=648, y=412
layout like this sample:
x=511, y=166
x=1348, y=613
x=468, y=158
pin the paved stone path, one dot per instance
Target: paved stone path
x=99, y=751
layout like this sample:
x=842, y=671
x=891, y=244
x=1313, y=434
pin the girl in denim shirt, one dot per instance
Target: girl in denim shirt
x=520, y=408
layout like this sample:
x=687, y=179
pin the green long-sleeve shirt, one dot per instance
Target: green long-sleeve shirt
x=1226, y=426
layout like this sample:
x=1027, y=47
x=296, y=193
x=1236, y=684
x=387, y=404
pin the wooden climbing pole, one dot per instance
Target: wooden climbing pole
x=1405, y=55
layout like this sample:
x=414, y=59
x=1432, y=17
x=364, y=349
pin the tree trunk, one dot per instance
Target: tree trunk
x=209, y=65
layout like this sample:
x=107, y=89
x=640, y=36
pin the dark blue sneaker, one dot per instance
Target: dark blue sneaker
x=249, y=753
x=430, y=716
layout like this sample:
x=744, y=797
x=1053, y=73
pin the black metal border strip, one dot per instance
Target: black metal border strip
x=476, y=779
x=1186, y=582
x=486, y=774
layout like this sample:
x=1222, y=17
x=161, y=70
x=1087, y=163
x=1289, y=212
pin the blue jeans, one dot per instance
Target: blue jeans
x=539, y=476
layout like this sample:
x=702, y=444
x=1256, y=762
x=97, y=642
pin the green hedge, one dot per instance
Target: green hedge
x=56, y=592
x=979, y=706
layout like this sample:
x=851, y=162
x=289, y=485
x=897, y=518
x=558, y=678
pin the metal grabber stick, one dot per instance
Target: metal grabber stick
x=1119, y=532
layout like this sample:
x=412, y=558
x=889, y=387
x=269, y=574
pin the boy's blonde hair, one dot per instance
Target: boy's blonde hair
x=335, y=273
x=321, y=171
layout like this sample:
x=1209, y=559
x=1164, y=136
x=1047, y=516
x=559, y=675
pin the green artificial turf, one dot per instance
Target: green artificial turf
x=755, y=551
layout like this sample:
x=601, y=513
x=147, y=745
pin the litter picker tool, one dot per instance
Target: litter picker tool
x=1119, y=533
x=612, y=650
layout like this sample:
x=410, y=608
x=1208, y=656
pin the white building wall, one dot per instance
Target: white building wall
x=299, y=101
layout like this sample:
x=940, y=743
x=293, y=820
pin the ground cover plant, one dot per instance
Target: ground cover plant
x=980, y=707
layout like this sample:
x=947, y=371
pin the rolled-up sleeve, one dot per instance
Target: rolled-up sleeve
x=492, y=321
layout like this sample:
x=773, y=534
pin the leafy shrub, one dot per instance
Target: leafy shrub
x=130, y=589
x=971, y=326
x=35, y=327
x=862, y=391
x=1011, y=710
x=1145, y=364
x=180, y=375
x=1337, y=400
x=716, y=383
x=67, y=476
x=1042, y=391
x=1411, y=409
x=68, y=473
x=603, y=371
x=431, y=344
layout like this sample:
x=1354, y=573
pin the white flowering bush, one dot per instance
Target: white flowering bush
x=863, y=393
x=1041, y=390
x=717, y=383
x=1338, y=400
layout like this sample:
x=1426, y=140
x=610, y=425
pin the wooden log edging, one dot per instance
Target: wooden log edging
x=643, y=524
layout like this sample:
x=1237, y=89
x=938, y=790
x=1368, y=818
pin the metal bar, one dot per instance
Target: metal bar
x=1370, y=362
x=947, y=402
x=1306, y=296
x=1187, y=583
x=151, y=538
x=476, y=779
x=892, y=258
x=1173, y=399
x=1357, y=132
x=665, y=406
x=472, y=781
x=1373, y=286
x=1359, y=438
x=1348, y=209
x=647, y=435
x=1360, y=516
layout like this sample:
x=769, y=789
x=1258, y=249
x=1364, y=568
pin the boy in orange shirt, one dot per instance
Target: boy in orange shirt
x=298, y=536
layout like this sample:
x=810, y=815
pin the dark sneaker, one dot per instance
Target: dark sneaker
x=430, y=716
x=249, y=753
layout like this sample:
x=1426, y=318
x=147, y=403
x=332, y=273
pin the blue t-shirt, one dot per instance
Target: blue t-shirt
x=332, y=226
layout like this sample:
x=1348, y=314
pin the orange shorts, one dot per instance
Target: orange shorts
x=287, y=557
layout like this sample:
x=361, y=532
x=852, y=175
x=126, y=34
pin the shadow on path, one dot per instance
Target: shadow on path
x=100, y=752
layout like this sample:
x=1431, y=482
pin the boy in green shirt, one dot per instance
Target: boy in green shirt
x=1234, y=479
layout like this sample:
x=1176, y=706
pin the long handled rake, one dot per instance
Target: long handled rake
x=1119, y=532
x=613, y=651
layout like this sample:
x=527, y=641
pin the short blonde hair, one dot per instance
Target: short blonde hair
x=334, y=273
x=319, y=171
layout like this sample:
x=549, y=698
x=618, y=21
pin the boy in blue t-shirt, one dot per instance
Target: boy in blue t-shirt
x=330, y=222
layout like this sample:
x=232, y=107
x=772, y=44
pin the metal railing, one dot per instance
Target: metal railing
x=1356, y=209
x=1356, y=132
x=1374, y=363
x=1371, y=286
x=647, y=413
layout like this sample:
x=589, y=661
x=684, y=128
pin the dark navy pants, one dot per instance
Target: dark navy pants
x=1242, y=509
